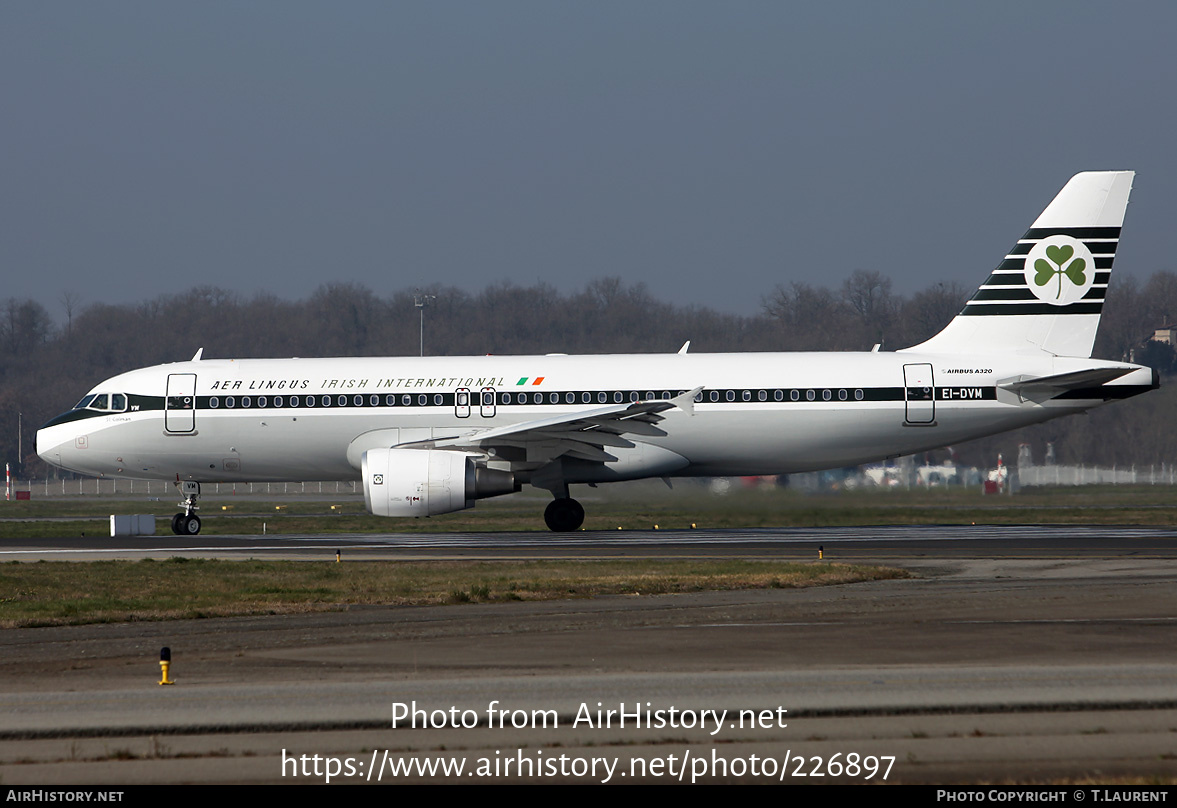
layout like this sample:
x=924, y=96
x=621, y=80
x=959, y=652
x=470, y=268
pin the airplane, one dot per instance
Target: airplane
x=431, y=435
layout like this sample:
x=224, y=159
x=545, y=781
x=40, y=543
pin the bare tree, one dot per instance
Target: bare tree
x=70, y=302
x=868, y=294
x=926, y=314
x=812, y=318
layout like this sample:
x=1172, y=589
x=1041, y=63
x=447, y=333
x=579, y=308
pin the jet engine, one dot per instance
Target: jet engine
x=424, y=482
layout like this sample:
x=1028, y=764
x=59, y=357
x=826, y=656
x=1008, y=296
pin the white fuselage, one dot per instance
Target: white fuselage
x=766, y=413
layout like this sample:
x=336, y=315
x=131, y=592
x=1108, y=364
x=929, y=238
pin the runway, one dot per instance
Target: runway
x=888, y=541
x=1019, y=653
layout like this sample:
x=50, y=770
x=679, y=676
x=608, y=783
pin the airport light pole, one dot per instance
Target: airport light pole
x=421, y=301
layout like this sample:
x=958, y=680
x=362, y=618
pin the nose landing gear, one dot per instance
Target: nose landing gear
x=187, y=523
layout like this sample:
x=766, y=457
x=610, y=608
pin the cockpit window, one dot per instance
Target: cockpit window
x=103, y=402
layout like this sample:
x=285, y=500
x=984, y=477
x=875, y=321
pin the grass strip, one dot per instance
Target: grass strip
x=646, y=507
x=72, y=593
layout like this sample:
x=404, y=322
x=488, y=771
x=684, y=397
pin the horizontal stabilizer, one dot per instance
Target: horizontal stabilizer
x=1061, y=382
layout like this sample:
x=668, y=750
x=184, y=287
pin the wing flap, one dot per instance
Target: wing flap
x=583, y=434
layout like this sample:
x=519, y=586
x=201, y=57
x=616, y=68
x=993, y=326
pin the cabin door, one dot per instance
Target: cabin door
x=179, y=414
x=919, y=394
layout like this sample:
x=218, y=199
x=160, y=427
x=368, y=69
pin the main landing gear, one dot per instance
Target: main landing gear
x=187, y=523
x=564, y=515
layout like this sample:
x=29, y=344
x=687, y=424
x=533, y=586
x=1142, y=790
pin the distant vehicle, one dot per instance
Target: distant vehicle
x=432, y=435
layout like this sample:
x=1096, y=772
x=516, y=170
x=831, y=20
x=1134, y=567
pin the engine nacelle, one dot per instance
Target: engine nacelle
x=425, y=482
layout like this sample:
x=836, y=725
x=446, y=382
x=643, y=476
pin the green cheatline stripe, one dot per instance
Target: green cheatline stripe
x=521, y=381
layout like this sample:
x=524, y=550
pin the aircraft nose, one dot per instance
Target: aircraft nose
x=47, y=448
x=55, y=445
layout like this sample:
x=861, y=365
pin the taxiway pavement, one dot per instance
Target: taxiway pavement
x=1017, y=653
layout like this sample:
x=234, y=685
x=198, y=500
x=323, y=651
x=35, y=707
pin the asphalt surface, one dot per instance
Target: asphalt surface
x=1019, y=654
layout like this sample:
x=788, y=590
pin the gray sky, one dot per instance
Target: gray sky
x=711, y=150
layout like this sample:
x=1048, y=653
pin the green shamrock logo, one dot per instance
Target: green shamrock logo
x=1059, y=254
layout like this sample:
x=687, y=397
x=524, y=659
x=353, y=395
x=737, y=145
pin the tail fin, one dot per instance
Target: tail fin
x=1048, y=293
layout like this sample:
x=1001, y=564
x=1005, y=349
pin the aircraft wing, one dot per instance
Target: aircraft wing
x=584, y=434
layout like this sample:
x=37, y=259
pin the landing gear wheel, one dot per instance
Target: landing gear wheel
x=187, y=523
x=564, y=515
